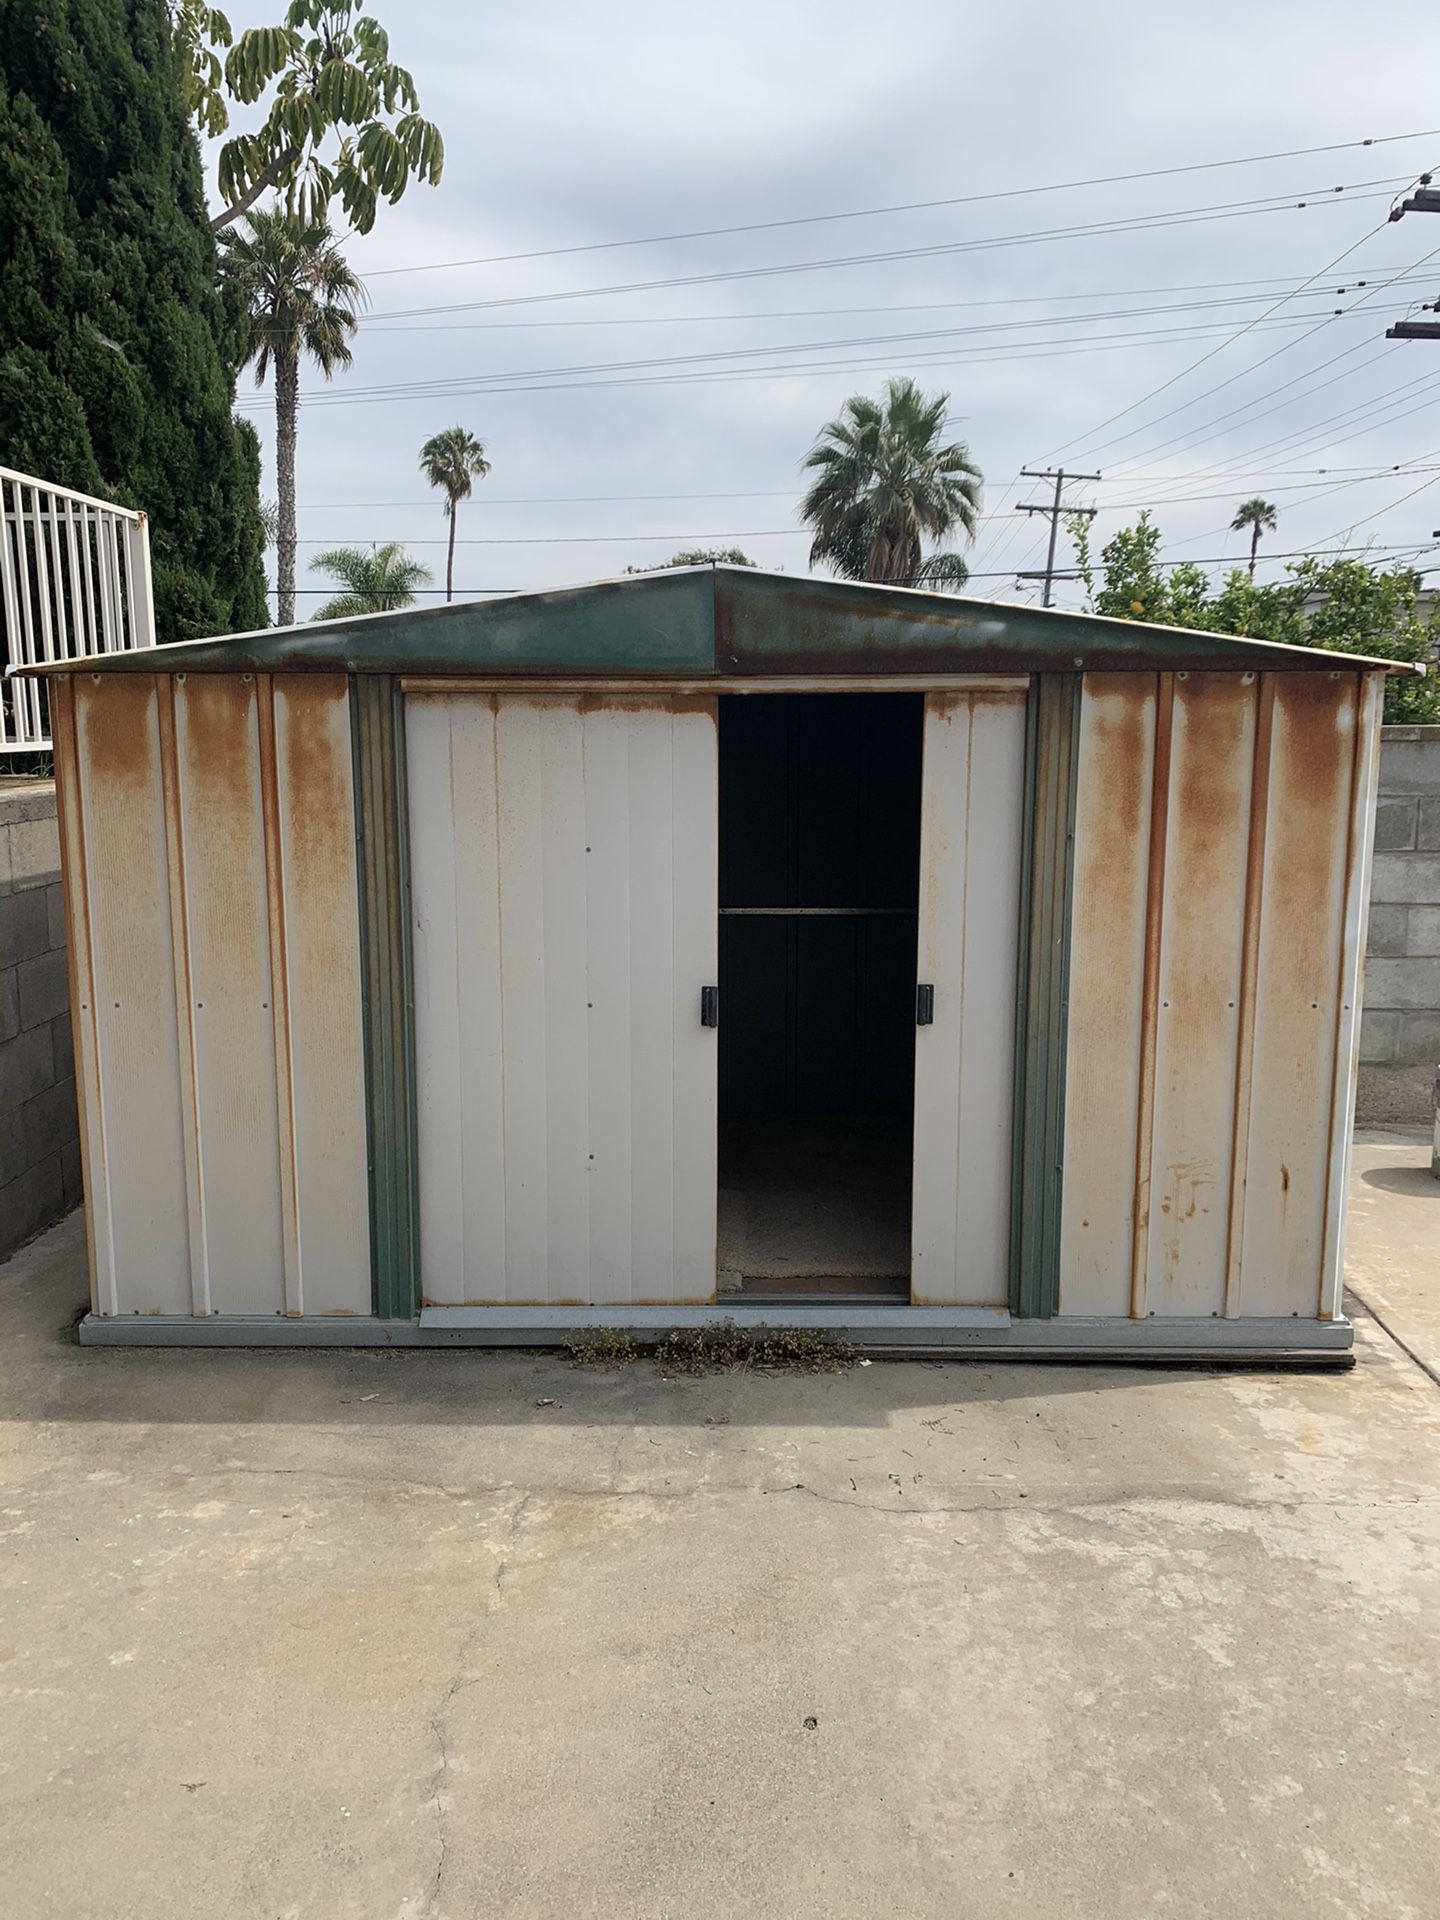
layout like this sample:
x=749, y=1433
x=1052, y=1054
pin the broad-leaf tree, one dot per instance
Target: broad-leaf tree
x=339, y=116
x=1259, y=516
x=117, y=355
x=375, y=579
x=453, y=460
x=887, y=482
x=1343, y=605
x=698, y=557
x=302, y=301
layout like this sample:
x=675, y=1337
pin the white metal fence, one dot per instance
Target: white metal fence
x=74, y=580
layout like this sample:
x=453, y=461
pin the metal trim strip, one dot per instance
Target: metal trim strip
x=1042, y=993
x=388, y=1007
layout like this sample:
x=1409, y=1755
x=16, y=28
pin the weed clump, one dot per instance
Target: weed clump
x=607, y=1348
x=721, y=1345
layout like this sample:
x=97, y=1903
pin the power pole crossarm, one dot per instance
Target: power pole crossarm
x=1055, y=510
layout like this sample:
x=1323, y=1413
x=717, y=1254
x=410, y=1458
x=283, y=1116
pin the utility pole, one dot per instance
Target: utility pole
x=1054, y=512
x=1425, y=199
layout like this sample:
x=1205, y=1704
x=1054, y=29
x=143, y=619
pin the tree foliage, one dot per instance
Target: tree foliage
x=698, y=557
x=1342, y=605
x=300, y=300
x=117, y=357
x=376, y=580
x=886, y=483
x=339, y=116
x=453, y=460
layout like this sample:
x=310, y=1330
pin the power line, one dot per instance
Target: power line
x=912, y=206
x=621, y=374
x=1186, y=372
x=910, y=306
x=1185, y=216
x=1181, y=439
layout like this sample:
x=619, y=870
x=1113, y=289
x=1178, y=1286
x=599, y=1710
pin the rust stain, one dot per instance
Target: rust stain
x=317, y=783
x=1249, y=964
x=1150, y=991
x=631, y=701
x=115, y=718
x=1316, y=735
x=1284, y=1178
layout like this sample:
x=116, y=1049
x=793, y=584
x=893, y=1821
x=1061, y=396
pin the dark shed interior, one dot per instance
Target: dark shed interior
x=819, y=887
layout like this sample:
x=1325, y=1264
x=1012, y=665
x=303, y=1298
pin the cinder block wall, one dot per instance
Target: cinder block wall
x=39, y=1130
x=1400, y=1032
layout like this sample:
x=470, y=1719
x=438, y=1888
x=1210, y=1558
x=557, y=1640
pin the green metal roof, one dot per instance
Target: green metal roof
x=689, y=622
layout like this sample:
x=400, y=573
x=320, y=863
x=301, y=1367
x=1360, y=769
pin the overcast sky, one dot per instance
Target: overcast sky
x=573, y=127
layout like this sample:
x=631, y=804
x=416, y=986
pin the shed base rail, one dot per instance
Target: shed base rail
x=949, y=1332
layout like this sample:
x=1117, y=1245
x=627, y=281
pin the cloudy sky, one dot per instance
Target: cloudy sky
x=642, y=385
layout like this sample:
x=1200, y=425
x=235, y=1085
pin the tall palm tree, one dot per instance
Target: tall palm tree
x=1259, y=516
x=302, y=300
x=376, y=582
x=886, y=483
x=454, y=460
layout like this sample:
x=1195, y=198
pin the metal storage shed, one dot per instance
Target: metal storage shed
x=984, y=978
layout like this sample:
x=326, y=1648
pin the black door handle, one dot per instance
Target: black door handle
x=709, y=1006
x=925, y=1005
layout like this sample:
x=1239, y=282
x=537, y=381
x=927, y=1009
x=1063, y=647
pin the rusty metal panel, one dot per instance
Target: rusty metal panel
x=970, y=859
x=134, y=1113
x=71, y=823
x=1308, y=765
x=1200, y=963
x=564, y=903
x=1107, y=968
x=1358, y=857
x=683, y=622
x=319, y=901
x=239, y=1251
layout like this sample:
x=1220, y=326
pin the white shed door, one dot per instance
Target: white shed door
x=563, y=879
x=972, y=810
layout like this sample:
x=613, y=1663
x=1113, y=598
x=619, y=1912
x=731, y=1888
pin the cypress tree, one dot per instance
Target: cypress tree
x=118, y=353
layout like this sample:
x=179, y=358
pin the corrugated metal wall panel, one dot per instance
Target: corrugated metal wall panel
x=970, y=859
x=564, y=894
x=1228, y=924
x=142, y=1246
x=222, y=1077
x=316, y=793
x=1279, y=1236
x=1201, y=945
x=222, y=837
x=1107, y=967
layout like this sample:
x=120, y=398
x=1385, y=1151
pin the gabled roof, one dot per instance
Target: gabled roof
x=720, y=621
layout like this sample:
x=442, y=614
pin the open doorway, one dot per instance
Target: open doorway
x=819, y=888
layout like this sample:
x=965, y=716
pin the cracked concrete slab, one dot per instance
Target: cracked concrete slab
x=337, y=1635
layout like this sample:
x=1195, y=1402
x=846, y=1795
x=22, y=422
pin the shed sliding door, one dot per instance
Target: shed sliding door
x=971, y=829
x=563, y=878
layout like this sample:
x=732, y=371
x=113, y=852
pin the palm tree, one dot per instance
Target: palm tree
x=453, y=460
x=887, y=483
x=302, y=299
x=1259, y=516
x=376, y=582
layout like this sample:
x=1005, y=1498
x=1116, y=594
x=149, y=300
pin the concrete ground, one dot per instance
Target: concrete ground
x=379, y=1636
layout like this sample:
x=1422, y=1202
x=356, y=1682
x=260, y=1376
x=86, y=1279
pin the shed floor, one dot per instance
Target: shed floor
x=816, y=1207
